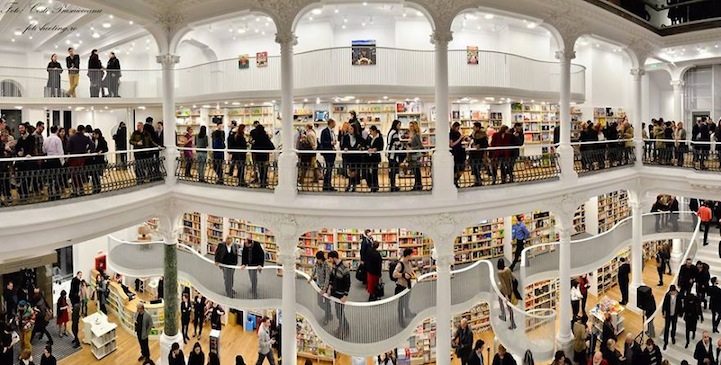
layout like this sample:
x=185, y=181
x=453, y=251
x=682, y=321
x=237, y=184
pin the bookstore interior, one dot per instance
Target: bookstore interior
x=204, y=69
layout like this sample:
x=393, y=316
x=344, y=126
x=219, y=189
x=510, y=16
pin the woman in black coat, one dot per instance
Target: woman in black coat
x=351, y=143
x=196, y=357
x=691, y=314
x=199, y=311
x=112, y=77
x=95, y=73
x=261, y=141
x=54, y=71
x=185, y=308
x=100, y=145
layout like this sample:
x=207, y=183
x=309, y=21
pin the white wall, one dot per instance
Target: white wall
x=660, y=96
x=533, y=44
x=608, y=78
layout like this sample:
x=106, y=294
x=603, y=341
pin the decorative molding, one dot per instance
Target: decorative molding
x=677, y=83
x=566, y=23
x=167, y=60
x=565, y=55
x=169, y=15
x=286, y=37
x=441, y=37
x=642, y=49
x=283, y=12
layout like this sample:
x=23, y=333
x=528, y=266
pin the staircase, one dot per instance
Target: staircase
x=675, y=353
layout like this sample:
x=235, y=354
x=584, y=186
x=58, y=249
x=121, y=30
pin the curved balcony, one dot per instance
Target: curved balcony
x=540, y=262
x=38, y=179
x=354, y=328
x=696, y=155
x=322, y=72
x=589, y=157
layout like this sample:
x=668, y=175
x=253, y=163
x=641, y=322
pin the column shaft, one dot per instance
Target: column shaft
x=564, y=286
x=287, y=161
x=442, y=161
x=168, y=62
x=565, y=150
x=288, y=331
x=443, y=310
x=170, y=290
x=637, y=119
x=677, y=99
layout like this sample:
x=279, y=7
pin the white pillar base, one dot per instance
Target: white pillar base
x=287, y=188
x=632, y=299
x=164, y=343
x=565, y=153
x=565, y=344
x=443, y=187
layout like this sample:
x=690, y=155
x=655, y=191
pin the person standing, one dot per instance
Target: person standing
x=462, y=341
x=53, y=147
x=702, y=282
x=680, y=143
x=176, y=357
x=95, y=73
x=671, y=308
x=414, y=158
x=10, y=299
x=520, y=234
x=691, y=314
x=321, y=276
x=72, y=63
x=706, y=216
x=575, y=299
x=54, y=71
x=261, y=141
x=253, y=257
x=218, y=144
x=43, y=315
x=365, y=246
x=143, y=325
x=505, y=277
x=403, y=273
x=456, y=140
x=704, y=350
x=226, y=254
x=714, y=293
x=102, y=291
x=623, y=272
x=502, y=357
x=686, y=277
x=632, y=353
x=374, y=270
x=328, y=142
x=78, y=144
x=236, y=141
x=199, y=315
x=265, y=343
x=112, y=77
x=62, y=314
x=338, y=288
x=476, y=358
x=478, y=154
x=121, y=143
x=47, y=357
x=393, y=140
x=518, y=140
x=185, y=309
x=196, y=357
x=375, y=145
x=99, y=146
x=201, y=143
x=580, y=347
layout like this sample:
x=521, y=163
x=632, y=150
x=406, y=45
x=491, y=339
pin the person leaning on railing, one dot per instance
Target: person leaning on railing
x=78, y=144
x=261, y=141
x=99, y=146
x=627, y=134
x=328, y=142
x=455, y=140
x=351, y=142
x=375, y=144
x=54, y=70
x=236, y=141
x=414, y=158
x=393, y=141
x=679, y=136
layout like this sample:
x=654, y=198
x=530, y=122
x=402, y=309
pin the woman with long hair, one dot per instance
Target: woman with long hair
x=196, y=357
x=350, y=142
x=54, y=71
x=201, y=142
x=393, y=143
x=95, y=73
x=188, y=154
x=414, y=158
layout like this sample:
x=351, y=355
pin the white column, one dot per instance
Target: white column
x=288, y=310
x=444, y=260
x=636, y=251
x=508, y=238
x=443, y=187
x=678, y=99
x=564, y=224
x=168, y=62
x=677, y=250
x=636, y=118
x=565, y=150
x=168, y=228
x=287, y=161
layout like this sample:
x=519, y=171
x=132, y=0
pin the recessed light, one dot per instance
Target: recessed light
x=236, y=103
x=241, y=30
x=107, y=25
x=317, y=11
x=345, y=20
x=130, y=22
x=305, y=100
x=257, y=19
x=489, y=16
x=96, y=35
x=531, y=25
x=18, y=33
x=363, y=24
x=365, y=3
x=342, y=26
x=405, y=14
x=12, y=40
x=310, y=18
x=111, y=16
x=336, y=11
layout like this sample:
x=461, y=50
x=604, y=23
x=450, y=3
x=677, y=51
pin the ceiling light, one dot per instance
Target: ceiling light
x=345, y=20
x=418, y=13
x=30, y=17
x=236, y=103
x=106, y=107
x=18, y=33
x=257, y=30
x=80, y=41
x=305, y=100
x=225, y=103
x=343, y=26
x=41, y=8
x=404, y=14
x=107, y=25
x=317, y=11
x=67, y=41
x=257, y=19
x=531, y=25
x=34, y=22
x=96, y=35
x=385, y=98
x=336, y=11
x=489, y=16
x=598, y=45
x=194, y=106
x=363, y=24
x=130, y=22
x=56, y=46
x=206, y=106
x=715, y=45
x=92, y=28
x=310, y=18
x=317, y=100
x=12, y=40
x=267, y=24
x=365, y=3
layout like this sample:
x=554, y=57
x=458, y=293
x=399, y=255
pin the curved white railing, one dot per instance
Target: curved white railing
x=357, y=328
x=321, y=70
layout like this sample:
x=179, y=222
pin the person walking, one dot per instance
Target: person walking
x=226, y=254
x=706, y=217
x=72, y=63
x=253, y=257
x=686, y=277
x=671, y=308
x=476, y=357
x=462, y=341
x=714, y=293
x=321, y=276
x=185, y=309
x=703, y=353
x=702, y=282
x=112, y=77
x=338, y=288
x=42, y=317
x=403, y=273
x=143, y=325
x=196, y=357
x=691, y=314
x=374, y=270
x=265, y=343
x=95, y=73
x=520, y=234
x=175, y=356
x=62, y=314
x=505, y=277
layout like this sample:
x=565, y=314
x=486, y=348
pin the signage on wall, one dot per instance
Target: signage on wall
x=472, y=55
x=261, y=59
x=243, y=61
x=363, y=52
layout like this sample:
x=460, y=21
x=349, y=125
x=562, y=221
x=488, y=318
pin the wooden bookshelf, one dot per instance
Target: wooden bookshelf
x=607, y=276
x=421, y=245
x=242, y=230
x=542, y=227
x=422, y=343
x=248, y=114
x=310, y=243
x=215, y=233
x=310, y=346
x=605, y=115
x=540, y=295
x=483, y=241
x=579, y=220
x=479, y=319
x=612, y=208
x=191, y=235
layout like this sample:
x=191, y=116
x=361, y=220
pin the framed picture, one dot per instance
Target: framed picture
x=243, y=61
x=261, y=59
x=363, y=52
x=472, y=55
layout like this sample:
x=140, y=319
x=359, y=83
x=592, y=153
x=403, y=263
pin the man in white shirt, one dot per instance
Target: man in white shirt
x=53, y=146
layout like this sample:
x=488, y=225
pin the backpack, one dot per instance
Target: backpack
x=303, y=142
x=392, y=269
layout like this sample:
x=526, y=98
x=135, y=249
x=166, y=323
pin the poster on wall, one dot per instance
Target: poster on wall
x=363, y=52
x=261, y=59
x=472, y=55
x=243, y=61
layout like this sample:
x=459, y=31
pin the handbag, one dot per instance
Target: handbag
x=380, y=289
x=360, y=273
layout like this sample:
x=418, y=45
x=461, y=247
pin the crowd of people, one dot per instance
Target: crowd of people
x=53, y=177
x=668, y=142
x=595, y=156
x=103, y=79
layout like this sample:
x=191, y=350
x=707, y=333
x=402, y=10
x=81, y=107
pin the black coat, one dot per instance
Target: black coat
x=253, y=255
x=374, y=262
x=236, y=142
x=178, y=360
x=623, y=271
x=48, y=360
x=74, y=294
x=196, y=359
x=701, y=352
x=714, y=293
x=223, y=256
x=465, y=342
x=121, y=139
x=113, y=67
x=686, y=276
x=199, y=309
x=473, y=359
x=102, y=147
x=666, y=306
x=185, y=310
x=507, y=360
x=376, y=143
x=691, y=309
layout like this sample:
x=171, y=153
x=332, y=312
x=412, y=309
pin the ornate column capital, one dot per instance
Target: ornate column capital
x=565, y=55
x=286, y=37
x=167, y=60
x=287, y=259
x=637, y=73
x=677, y=84
x=565, y=211
x=441, y=36
x=642, y=49
x=567, y=26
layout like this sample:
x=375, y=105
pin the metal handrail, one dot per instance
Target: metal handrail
x=36, y=158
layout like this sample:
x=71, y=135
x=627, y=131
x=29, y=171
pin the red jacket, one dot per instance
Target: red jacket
x=501, y=140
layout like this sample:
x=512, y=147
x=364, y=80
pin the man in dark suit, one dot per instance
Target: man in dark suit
x=375, y=145
x=714, y=293
x=253, y=256
x=328, y=141
x=686, y=277
x=227, y=254
x=623, y=271
x=704, y=350
x=672, y=307
x=476, y=357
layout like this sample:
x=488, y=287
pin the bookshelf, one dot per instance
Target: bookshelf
x=579, y=220
x=310, y=243
x=248, y=114
x=605, y=115
x=422, y=344
x=241, y=230
x=378, y=114
x=309, y=345
x=538, y=120
x=215, y=232
x=421, y=246
x=612, y=208
x=577, y=123
x=607, y=276
x=483, y=241
x=125, y=310
x=478, y=316
x=539, y=295
x=100, y=334
x=541, y=225
x=186, y=118
x=191, y=234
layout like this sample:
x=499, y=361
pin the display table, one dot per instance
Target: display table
x=608, y=305
x=100, y=334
